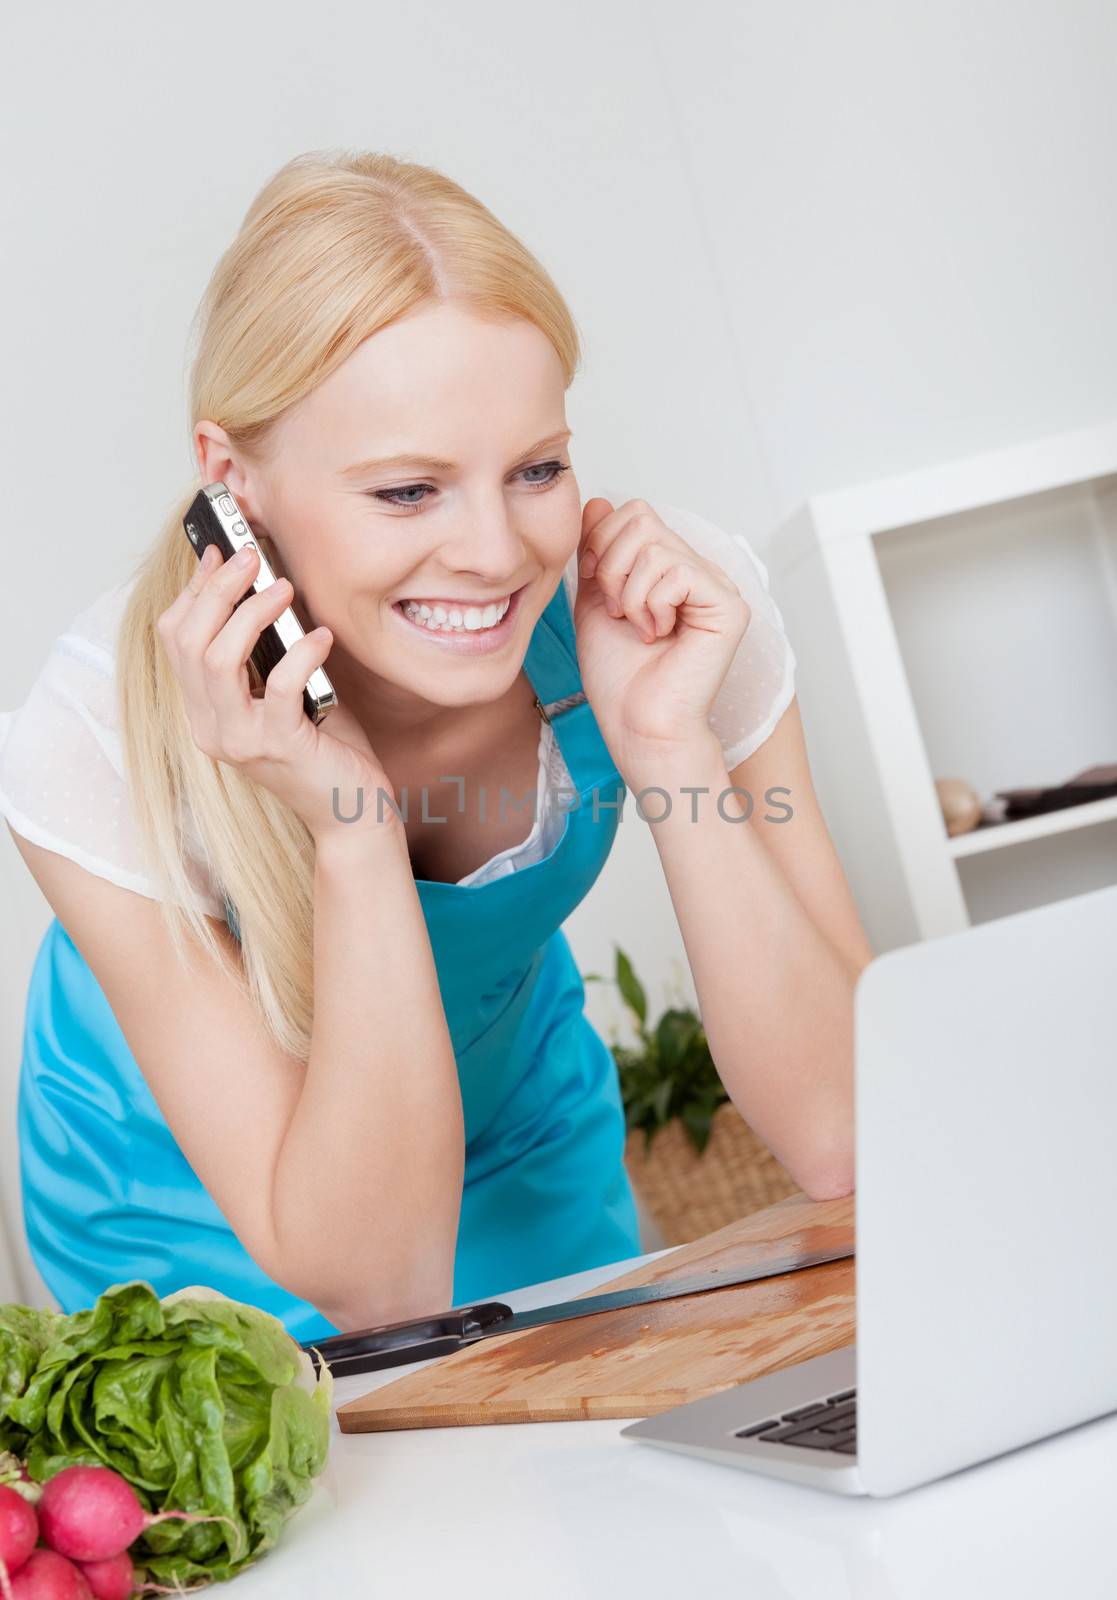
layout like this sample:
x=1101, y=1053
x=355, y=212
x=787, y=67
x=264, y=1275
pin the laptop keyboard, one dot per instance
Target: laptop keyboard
x=826, y=1424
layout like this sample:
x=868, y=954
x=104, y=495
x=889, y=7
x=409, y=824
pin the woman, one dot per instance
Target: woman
x=332, y=1058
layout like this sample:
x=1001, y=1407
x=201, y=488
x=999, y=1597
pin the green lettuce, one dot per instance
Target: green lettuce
x=24, y=1335
x=203, y=1403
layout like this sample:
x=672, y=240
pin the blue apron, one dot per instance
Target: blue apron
x=108, y=1196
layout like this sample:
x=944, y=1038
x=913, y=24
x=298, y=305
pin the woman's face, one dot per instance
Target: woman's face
x=491, y=523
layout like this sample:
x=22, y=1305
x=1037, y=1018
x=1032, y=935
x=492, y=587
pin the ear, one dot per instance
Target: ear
x=218, y=463
x=215, y=456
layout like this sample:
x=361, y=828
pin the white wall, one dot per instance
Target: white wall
x=806, y=244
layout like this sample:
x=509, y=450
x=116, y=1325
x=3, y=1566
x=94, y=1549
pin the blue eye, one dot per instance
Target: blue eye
x=387, y=496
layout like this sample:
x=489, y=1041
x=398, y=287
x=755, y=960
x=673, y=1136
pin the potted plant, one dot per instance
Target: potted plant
x=693, y=1158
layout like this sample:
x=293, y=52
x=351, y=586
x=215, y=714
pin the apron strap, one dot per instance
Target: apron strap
x=567, y=703
x=552, y=667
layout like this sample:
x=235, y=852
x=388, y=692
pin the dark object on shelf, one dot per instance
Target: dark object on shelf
x=1096, y=783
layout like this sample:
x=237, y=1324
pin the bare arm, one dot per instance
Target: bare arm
x=774, y=944
x=364, y=1173
x=342, y=1178
x=368, y=1179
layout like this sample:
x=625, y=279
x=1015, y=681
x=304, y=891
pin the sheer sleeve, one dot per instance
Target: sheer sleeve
x=759, y=685
x=62, y=776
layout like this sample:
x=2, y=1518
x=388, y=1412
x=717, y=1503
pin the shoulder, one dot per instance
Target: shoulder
x=95, y=627
x=63, y=783
x=75, y=685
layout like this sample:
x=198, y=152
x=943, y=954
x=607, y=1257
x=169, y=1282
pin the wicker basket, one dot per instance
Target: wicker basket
x=690, y=1194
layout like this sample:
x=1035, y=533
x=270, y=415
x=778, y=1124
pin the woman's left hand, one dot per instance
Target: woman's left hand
x=657, y=626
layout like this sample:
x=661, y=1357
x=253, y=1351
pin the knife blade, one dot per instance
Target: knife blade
x=393, y=1344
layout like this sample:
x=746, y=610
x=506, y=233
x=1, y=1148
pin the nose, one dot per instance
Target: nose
x=486, y=546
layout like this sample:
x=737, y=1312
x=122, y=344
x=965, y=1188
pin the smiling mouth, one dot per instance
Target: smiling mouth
x=448, y=617
x=465, y=638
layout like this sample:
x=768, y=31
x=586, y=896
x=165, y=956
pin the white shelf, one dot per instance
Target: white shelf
x=1025, y=829
x=953, y=487
x=959, y=622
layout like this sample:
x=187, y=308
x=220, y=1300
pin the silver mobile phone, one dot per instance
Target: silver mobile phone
x=215, y=517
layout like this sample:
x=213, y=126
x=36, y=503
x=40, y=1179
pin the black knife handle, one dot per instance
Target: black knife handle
x=392, y=1344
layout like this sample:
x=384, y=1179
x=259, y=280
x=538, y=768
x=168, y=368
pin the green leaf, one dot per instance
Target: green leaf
x=661, y=1099
x=649, y=1134
x=24, y=1334
x=696, y=1121
x=671, y=1073
x=631, y=989
x=674, y=1034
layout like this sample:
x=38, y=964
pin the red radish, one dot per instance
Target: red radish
x=19, y=1533
x=91, y=1513
x=46, y=1575
x=111, y=1579
x=19, y=1528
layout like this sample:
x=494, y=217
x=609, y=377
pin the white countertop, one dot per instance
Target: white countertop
x=571, y=1509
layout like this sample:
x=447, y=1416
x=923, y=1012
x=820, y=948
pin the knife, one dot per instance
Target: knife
x=394, y=1343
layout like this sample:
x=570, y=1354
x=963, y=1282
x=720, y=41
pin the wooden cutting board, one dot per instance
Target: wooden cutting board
x=637, y=1360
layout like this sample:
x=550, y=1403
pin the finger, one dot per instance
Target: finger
x=284, y=712
x=209, y=605
x=225, y=659
x=208, y=561
x=688, y=588
x=180, y=606
x=651, y=564
x=594, y=511
x=671, y=591
x=216, y=601
x=598, y=522
x=617, y=559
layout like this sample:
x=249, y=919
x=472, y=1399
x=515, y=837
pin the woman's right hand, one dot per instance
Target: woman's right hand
x=208, y=639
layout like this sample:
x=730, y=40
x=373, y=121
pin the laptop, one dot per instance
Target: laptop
x=986, y=1219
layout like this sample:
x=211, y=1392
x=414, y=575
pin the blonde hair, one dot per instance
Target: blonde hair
x=335, y=246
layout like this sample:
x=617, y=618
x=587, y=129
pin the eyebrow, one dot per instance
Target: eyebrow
x=361, y=469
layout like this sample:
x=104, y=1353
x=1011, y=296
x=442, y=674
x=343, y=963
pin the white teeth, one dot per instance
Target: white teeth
x=455, y=619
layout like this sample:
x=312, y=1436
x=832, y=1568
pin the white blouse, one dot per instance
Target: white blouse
x=62, y=782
